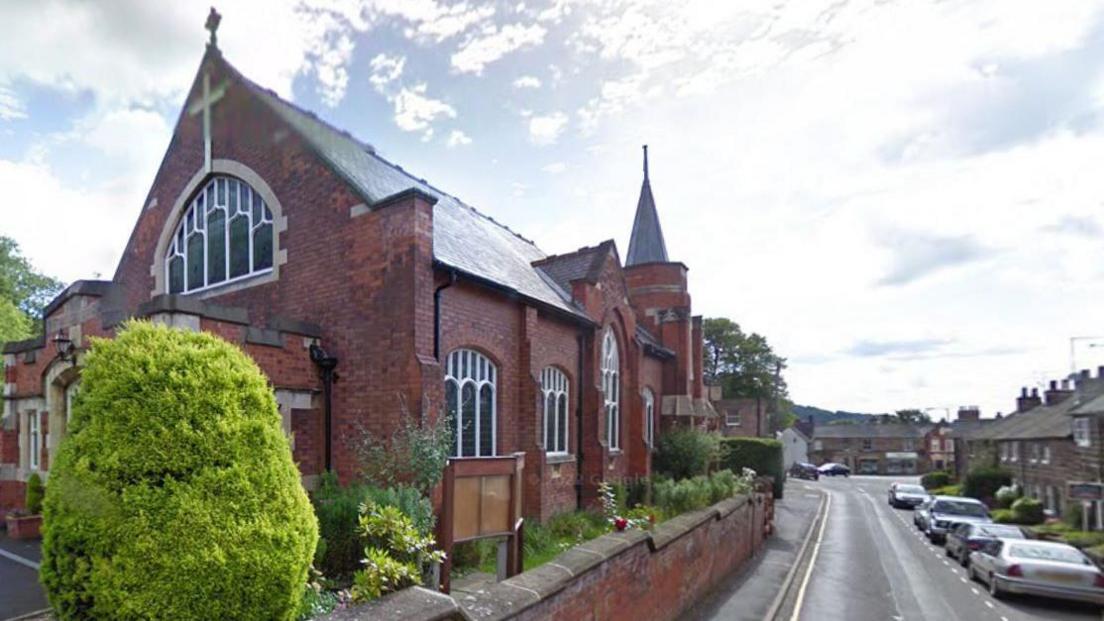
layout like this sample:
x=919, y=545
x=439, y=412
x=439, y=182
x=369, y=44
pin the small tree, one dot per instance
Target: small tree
x=983, y=483
x=414, y=454
x=685, y=452
x=175, y=497
x=35, y=492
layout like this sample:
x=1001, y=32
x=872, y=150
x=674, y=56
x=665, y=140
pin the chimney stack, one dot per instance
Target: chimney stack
x=969, y=413
x=1057, y=393
x=1025, y=401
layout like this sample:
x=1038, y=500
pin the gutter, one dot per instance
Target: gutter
x=437, y=314
x=580, y=340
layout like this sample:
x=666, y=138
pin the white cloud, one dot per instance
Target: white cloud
x=429, y=19
x=10, y=106
x=527, y=81
x=414, y=111
x=385, y=70
x=554, y=168
x=546, y=129
x=457, y=138
x=493, y=43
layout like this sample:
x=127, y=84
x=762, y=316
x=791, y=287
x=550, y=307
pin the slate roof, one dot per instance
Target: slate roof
x=646, y=244
x=870, y=430
x=652, y=345
x=1044, y=421
x=584, y=264
x=463, y=238
x=1092, y=406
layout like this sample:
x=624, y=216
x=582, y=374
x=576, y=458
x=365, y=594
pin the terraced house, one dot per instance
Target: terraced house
x=872, y=448
x=366, y=294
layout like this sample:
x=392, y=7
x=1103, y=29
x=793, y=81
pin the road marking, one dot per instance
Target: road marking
x=19, y=559
x=989, y=604
x=964, y=581
x=975, y=591
x=812, y=562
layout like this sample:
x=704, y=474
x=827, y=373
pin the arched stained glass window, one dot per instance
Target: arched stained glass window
x=470, y=401
x=224, y=235
x=554, y=389
x=611, y=388
x=649, y=417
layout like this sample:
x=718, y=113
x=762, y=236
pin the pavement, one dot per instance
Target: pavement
x=20, y=591
x=756, y=589
x=873, y=564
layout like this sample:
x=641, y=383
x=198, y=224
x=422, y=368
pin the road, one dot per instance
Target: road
x=20, y=592
x=873, y=564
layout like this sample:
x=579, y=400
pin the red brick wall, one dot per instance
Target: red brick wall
x=13, y=495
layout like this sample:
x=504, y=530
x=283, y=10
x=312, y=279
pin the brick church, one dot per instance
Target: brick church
x=366, y=294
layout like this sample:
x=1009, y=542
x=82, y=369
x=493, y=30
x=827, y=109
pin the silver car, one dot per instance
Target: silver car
x=906, y=495
x=1044, y=568
x=946, y=511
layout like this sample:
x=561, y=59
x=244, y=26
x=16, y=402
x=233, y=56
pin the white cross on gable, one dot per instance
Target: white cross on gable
x=204, y=106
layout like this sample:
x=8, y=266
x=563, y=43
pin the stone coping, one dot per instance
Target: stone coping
x=413, y=604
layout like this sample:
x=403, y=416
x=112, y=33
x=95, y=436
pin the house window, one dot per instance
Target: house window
x=732, y=417
x=649, y=417
x=470, y=402
x=554, y=392
x=935, y=445
x=1035, y=452
x=1013, y=451
x=867, y=444
x=1046, y=453
x=818, y=445
x=1004, y=451
x=611, y=389
x=224, y=235
x=908, y=444
x=70, y=395
x=33, y=440
x=1081, y=432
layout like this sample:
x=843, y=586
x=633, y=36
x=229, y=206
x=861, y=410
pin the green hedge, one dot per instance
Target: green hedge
x=35, y=493
x=762, y=455
x=684, y=452
x=983, y=483
x=174, y=495
x=1028, y=511
x=939, y=478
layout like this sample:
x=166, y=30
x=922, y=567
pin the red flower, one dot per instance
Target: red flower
x=620, y=523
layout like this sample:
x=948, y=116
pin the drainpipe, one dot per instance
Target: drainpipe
x=326, y=364
x=437, y=314
x=581, y=340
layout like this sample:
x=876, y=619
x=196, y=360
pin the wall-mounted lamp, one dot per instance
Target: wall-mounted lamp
x=66, y=351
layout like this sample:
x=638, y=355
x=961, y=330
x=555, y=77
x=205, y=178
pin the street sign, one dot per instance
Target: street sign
x=1086, y=490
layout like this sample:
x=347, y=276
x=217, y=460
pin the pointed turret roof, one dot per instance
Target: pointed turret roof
x=646, y=244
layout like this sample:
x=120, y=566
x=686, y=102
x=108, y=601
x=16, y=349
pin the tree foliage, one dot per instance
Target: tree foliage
x=744, y=364
x=174, y=495
x=912, y=417
x=24, y=292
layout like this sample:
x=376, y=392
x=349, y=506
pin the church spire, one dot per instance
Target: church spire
x=646, y=244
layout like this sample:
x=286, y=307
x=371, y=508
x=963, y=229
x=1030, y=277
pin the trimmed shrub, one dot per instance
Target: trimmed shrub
x=1003, y=516
x=762, y=455
x=1028, y=511
x=684, y=452
x=175, y=496
x=340, y=547
x=1005, y=496
x=395, y=554
x=35, y=493
x=949, y=490
x=939, y=478
x=983, y=483
x=675, y=497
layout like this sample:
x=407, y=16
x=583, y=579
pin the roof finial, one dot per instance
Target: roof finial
x=213, y=19
x=645, y=162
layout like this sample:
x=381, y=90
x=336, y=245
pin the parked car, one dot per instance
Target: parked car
x=906, y=495
x=921, y=512
x=945, y=511
x=1044, y=568
x=804, y=471
x=967, y=537
x=832, y=469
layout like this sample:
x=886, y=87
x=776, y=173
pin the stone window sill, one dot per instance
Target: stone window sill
x=558, y=458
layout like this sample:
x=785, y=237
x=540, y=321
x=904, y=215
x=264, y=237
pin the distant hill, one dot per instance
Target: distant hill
x=828, y=417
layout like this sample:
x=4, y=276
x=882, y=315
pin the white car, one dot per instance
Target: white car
x=1044, y=568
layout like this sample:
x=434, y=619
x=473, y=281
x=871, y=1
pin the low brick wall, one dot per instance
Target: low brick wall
x=629, y=575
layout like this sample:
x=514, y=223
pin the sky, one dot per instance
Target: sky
x=904, y=197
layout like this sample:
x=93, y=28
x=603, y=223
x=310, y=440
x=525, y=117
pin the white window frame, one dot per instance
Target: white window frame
x=611, y=389
x=935, y=445
x=194, y=221
x=649, y=417
x=818, y=445
x=1004, y=451
x=554, y=384
x=1046, y=453
x=1035, y=453
x=34, y=440
x=908, y=444
x=1081, y=433
x=1014, y=451
x=466, y=367
x=70, y=394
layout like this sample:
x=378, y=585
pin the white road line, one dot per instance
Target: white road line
x=975, y=591
x=19, y=559
x=989, y=604
x=812, y=561
x=964, y=581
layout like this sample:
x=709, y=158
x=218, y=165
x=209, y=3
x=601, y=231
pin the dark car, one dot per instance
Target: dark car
x=967, y=537
x=831, y=469
x=804, y=471
x=906, y=495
